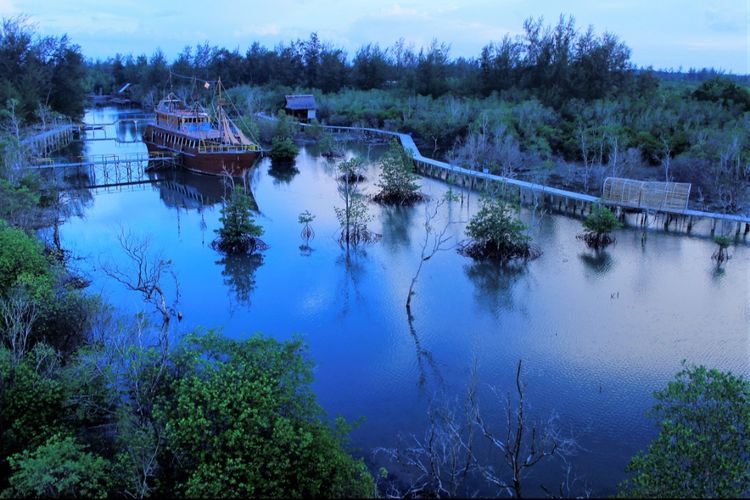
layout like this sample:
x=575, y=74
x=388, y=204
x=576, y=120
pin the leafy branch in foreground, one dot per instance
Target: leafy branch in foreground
x=703, y=446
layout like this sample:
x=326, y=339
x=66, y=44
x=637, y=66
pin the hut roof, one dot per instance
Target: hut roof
x=300, y=102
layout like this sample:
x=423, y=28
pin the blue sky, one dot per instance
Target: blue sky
x=660, y=33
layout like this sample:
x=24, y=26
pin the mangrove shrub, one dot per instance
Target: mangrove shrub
x=398, y=182
x=495, y=233
x=597, y=227
x=239, y=232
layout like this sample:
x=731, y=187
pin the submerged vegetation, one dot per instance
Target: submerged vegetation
x=239, y=233
x=398, y=182
x=598, y=226
x=558, y=104
x=354, y=216
x=95, y=404
x=497, y=234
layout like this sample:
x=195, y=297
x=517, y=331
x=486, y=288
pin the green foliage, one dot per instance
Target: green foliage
x=284, y=127
x=31, y=400
x=721, y=254
x=702, y=450
x=307, y=233
x=17, y=201
x=497, y=234
x=353, y=220
x=328, y=146
x=239, y=233
x=61, y=467
x=39, y=70
x=241, y=421
x=23, y=264
x=723, y=241
x=598, y=224
x=353, y=217
x=314, y=130
x=283, y=149
x=724, y=92
x=398, y=182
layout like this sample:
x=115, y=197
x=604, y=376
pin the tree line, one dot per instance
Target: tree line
x=556, y=104
x=39, y=74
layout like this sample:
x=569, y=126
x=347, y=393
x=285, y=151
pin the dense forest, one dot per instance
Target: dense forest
x=95, y=404
x=558, y=105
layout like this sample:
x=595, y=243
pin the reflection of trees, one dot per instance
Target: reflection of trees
x=425, y=359
x=353, y=271
x=283, y=171
x=494, y=283
x=239, y=274
x=396, y=224
x=598, y=261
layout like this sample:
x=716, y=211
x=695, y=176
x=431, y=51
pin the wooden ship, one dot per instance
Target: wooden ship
x=204, y=143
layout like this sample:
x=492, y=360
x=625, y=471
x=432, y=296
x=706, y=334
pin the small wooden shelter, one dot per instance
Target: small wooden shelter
x=301, y=106
x=647, y=195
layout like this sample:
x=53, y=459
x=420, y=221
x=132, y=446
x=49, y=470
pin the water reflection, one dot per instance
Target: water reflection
x=397, y=221
x=370, y=362
x=349, y=282
x=426, y=363
x=599, y=261
x=184, y=189
x=494, y=282
x=239, y=275
x=283, y=171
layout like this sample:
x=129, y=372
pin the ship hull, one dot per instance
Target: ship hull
x=220, y=161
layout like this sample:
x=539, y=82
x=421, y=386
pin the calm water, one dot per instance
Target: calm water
x=598, y=333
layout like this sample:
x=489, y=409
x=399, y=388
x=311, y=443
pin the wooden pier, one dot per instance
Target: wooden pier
x=48, y=141
x=530, y=193
x=105, y=170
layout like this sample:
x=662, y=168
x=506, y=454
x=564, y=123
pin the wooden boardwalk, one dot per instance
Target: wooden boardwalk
x=107, y=170
x=50, y=140
x=529, y=192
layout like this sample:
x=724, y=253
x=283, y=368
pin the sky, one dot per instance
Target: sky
x=664, y=34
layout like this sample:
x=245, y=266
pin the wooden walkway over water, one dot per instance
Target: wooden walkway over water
x=47, y=141
x=530, y=192
x=99, y=171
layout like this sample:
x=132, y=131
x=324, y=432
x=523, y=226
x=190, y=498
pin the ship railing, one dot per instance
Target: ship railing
x=227, y=148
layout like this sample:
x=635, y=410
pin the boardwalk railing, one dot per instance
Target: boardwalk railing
x=51, y=139
x=105, y=170
x=527, y=190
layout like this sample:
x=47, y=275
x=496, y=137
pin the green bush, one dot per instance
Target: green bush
x=283, y=149
x=398, y=182
x=239, y=233
x=23, y=264
x=702, y=449
x=59, y=468
x=598, y=225
x=241, y=421
x=497, y=234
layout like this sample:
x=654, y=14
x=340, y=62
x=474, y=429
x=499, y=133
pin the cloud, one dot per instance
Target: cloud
x=258, y=30
x=7, y=8
x=727, y=17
